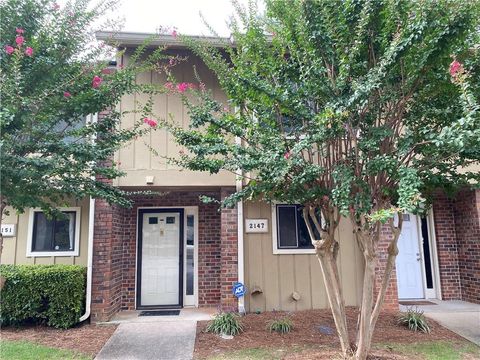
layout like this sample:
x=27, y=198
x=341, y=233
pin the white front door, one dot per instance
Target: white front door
x=160, y=259
x=409, y=260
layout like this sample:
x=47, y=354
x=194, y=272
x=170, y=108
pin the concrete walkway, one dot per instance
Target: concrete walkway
x=460, y=317
x=153, y=337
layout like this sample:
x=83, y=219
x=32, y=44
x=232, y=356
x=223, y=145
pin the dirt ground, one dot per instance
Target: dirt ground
x=314, y=335
x=85, y=338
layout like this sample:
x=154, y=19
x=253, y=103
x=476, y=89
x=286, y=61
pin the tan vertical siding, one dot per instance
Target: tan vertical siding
x=15, y=248
x=278, y=276
x=136, y=158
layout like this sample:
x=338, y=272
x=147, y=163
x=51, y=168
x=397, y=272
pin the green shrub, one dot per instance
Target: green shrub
x=49, y=294
x=227, y=323
x=281, y=326
x=414, y=320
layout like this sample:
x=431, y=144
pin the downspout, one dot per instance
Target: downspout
x=91, y=218
x=88, y=295
x=240, y=245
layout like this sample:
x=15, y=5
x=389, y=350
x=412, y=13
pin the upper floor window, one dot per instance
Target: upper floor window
x=290, y=233
x=54, y=236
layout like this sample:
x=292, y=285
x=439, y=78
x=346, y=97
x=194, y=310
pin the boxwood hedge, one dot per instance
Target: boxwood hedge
x=49, y=294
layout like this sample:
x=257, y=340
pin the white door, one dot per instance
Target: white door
x=160, y=261
x=409, y=261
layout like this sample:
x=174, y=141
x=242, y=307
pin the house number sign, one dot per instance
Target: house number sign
x=8, y=230
x=256, y=225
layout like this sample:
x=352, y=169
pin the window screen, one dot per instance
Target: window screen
x=292, y=232
x=57, y=234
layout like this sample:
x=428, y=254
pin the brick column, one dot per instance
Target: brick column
x=107, y=261
x=447, y=249
x=391, y=296
x=467, y=226
x=228, y=253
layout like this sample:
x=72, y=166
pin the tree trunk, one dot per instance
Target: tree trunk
x=370, y=310
x=326, y=250
x=328, y=265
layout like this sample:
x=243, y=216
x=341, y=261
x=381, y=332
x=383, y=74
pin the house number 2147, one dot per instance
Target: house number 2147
x=256, y=225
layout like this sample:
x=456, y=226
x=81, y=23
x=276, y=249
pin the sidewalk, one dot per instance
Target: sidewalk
x=154, y=337
x=458, y=316
x=151, y=340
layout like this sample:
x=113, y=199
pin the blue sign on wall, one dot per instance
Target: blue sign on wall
x=239, y=289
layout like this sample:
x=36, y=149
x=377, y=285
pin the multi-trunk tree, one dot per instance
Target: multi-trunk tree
x=355, y=109
x=54, y=77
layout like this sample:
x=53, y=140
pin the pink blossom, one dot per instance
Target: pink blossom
x=171, y=61
x=169, y=85
x=19, y=31
x=287, y=155
x=202, y=86
x=97, y=80
x=182, y=87
x=455, y=68
x=106, y=71
x=67, y=94
x=29, y=51
x=56, y=6
x=9, y=49
x=19, y=40
x=174, y=33
x=150, y=122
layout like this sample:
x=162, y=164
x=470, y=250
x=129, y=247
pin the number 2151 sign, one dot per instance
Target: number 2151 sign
x=256, y=225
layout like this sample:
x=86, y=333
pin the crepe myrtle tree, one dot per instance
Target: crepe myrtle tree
x=355, y=109
x=53, y=75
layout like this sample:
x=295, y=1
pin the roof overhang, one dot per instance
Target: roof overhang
x=132, y=39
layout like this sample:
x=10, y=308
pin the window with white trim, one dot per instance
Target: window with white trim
x=57, y=236
x=291, y=233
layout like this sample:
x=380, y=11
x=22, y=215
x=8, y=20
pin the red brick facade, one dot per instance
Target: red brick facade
x=457, y=232
x=229, y=254
x=447, y=250
x=391, y=296
x=467, y=226
x=113, y=286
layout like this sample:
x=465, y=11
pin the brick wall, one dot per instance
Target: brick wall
x=208, y=247
x=115, y=232
x=391, y=296
x=447, y=249
x=229, y=253
x=467, y=226
x=107, y=261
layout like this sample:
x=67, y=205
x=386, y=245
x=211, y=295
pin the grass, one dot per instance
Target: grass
x=436, y=350
x=24, y=350
x=260, y=353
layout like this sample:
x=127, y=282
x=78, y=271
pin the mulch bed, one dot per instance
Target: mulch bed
x=307, y=334
x=85, y=338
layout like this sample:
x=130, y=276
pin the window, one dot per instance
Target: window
x=190, y=254
x=290, y=233
x=54, y=236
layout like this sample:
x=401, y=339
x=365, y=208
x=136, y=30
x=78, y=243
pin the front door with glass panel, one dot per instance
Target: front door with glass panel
x=160, y=250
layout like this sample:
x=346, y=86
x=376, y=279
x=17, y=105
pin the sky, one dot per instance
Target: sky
x=148, y=15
